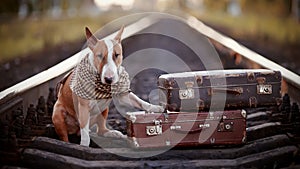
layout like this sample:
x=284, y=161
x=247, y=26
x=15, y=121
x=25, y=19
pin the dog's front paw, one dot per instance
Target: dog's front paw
x=85, y=137
x=155, y=108
x=115, y=134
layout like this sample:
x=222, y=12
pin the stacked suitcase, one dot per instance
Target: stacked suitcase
x=204, y=108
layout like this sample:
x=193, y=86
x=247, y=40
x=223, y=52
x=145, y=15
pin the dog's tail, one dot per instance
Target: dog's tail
x=62, y=82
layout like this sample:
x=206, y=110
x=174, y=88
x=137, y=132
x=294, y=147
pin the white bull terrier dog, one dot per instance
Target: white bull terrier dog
x=89, y=89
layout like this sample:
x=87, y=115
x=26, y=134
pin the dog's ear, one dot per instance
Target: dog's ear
x=91, y=39
x=119, y=34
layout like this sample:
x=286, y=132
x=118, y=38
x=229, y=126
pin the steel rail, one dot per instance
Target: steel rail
x=290, y=76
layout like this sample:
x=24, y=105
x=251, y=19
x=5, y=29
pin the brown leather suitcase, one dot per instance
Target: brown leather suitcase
x=150, y=130
x=219, y=89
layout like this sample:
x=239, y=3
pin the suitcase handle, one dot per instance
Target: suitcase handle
x=235, y=90
x=201, y=127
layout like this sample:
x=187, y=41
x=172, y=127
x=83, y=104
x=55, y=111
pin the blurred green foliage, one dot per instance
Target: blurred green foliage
x=268, y=20
x=21, y=37
x=272, y=20
x=279, y=30
x=275, y=8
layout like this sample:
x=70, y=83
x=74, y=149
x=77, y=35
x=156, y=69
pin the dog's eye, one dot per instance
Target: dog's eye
x=100, y=56
x=117, y=55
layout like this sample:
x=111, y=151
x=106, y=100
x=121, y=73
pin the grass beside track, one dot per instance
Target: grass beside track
x=280, y=30
x=22, y=37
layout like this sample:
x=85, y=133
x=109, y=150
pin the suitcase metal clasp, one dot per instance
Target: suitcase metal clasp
x=244, y=113
x=154, y=130
x=264, y=89
x=225, y=126
x=187, y=94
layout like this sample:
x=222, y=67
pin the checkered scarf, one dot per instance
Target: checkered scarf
x=86, y=82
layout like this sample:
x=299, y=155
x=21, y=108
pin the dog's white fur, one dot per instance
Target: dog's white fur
x=110, y=69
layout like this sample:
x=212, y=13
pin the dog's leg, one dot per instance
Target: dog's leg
x=100, y=121
x=132, y=100
x=84, y=119
x=58, y=119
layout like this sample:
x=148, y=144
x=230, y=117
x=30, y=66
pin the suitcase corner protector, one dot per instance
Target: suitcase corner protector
x=244, y=139
x=244, y=113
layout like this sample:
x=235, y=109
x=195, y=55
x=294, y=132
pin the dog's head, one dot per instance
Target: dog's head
x=107, y=55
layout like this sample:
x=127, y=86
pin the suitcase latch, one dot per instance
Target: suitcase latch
x=225, y=126
x=186, y=94
x=264, y=89
x=154, y=130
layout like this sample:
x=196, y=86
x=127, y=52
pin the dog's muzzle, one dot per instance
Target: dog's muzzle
x=108, y=80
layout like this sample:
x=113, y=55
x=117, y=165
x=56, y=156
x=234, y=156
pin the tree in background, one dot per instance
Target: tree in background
x=9, y=7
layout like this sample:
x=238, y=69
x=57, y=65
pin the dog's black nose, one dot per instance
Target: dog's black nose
x=108, y=80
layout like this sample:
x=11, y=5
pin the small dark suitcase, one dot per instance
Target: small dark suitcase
x=150, y=130
x=219, y=89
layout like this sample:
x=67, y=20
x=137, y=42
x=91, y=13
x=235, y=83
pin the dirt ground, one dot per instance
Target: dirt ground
x=26, y=66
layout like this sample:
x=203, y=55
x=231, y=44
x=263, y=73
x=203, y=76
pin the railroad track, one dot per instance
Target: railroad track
x=28, y=138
